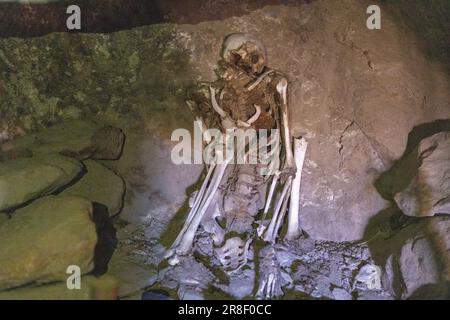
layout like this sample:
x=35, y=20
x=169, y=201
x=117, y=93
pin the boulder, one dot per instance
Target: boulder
x=416, y=258
x=26, y=179
x=78, y=139
x=41, y=240
x=428, y=190
x=101, y=185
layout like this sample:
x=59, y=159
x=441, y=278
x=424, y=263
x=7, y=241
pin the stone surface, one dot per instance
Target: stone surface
x=415, y=258
x=80, y=139
x=107, y=143
x=44, y=238
x=26, y=179
x=91, y=288
x=53, y=291
x=3, y=218
x=99, y=184
x=428, y=191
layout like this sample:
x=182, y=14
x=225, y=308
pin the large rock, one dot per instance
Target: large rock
x=41, y=240
x=26, y=179
x=428, y=191
x=78, y=139
x=101, y=185
x=416, y=258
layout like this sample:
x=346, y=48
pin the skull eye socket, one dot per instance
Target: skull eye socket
x=255, y=59
x=235, y=57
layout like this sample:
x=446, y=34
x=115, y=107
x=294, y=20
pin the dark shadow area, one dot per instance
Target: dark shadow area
x=437, y=291
x=156, y=294
x=429, y=20
x=102, y=16
x=107, y=240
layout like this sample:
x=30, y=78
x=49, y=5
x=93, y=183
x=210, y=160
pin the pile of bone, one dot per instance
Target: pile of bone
x=56, y=201
x=309, y=269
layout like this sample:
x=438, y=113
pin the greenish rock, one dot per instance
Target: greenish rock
x=43, y=239
x=3, y=218
x=100, y=185
x=53, y=291
x=78, y=139
x=91, y=288
x=140, y=73
x=26, y=179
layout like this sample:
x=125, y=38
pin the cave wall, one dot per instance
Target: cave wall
x=354, y=93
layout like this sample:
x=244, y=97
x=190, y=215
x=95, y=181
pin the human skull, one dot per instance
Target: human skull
x=246, y=52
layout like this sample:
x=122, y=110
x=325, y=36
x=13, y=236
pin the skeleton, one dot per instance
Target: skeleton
x=247, y=95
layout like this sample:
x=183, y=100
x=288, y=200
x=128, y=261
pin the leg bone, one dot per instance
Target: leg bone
x=271, y=232
x=293, y=231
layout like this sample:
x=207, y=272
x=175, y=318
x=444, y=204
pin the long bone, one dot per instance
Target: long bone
x=271, y=191
x=282, y=90
x=280, y=217
x=293, y=230
x=187, y=238
x=271, y=232
x=275, y=179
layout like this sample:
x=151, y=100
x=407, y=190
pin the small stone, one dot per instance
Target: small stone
x=370, y=276
x=341, y=294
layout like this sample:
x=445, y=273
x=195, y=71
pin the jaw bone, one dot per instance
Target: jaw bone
x=293, y=231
